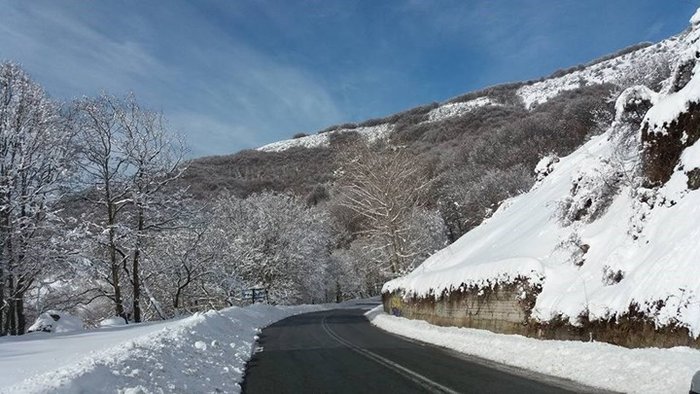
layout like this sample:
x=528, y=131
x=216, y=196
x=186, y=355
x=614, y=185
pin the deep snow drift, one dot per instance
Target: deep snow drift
x=592, y=363
x=588, y=232
x=206, y=352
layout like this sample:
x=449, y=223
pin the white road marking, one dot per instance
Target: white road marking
x=405, y=372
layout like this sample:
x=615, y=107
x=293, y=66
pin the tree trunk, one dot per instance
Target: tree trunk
x=395, y=257
x=11, y=312
x=21, y=323
x=2, y=297
x=137, y=287
x=136, y=281
x=118, y=303
x=155, y=303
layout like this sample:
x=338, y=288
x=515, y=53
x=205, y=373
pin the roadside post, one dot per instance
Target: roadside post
x=256, y=294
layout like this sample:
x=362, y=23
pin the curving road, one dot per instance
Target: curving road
x=339, y=351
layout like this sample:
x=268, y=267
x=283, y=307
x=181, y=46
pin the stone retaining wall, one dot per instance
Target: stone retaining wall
x=506, y=309
x=499, y=308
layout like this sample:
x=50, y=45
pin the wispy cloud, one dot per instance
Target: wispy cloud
x=223, y=94
x=237, y=74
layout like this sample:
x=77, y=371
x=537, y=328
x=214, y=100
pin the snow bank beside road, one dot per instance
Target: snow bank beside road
x=206, y=352
x=591, y=363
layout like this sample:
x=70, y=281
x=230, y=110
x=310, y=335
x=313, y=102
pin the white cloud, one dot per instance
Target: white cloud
x=222, y=94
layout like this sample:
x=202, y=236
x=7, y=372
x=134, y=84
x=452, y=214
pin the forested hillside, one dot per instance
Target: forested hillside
x=469, y=154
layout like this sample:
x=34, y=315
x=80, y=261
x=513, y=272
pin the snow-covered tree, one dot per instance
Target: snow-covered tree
x=274, y=241
x=128, y=157
x=105, y=167
x=155, y=156
x=183, y=267
x=35, y=159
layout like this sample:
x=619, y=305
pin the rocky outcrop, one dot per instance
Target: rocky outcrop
x=662, y=149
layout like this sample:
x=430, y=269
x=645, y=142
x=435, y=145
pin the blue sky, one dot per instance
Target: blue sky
x=231, y=75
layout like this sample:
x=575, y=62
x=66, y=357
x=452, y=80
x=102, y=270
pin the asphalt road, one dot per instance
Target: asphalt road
x=339, y=351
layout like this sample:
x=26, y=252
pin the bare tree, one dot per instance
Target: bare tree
x=182, y=266
x=383, y=188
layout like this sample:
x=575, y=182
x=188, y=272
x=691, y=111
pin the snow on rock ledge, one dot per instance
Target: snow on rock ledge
x=672, y=106
x=634, y=99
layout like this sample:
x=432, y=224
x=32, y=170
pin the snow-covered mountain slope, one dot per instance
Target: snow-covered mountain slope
x=594, y=233
x=451, y=110
x=618, y=70
x=371, y=134
x=622, y=70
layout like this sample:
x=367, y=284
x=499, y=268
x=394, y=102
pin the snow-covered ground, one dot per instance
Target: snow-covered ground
x=633, y=65
x=451, y=110
x=589, y=233
x=371, y=134
x=206, y=352
x=591, y=363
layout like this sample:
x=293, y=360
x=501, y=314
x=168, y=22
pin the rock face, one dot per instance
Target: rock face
x=662, y=150
x=693, y=179
x=684, y=73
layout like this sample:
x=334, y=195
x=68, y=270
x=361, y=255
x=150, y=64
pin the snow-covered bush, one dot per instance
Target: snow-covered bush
x=572, y=249
x=113, y=322
x=545, y=166
x=612, y=276
x=592, y=192
x=652, y=72
x=56, y=321
x=633, y=103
